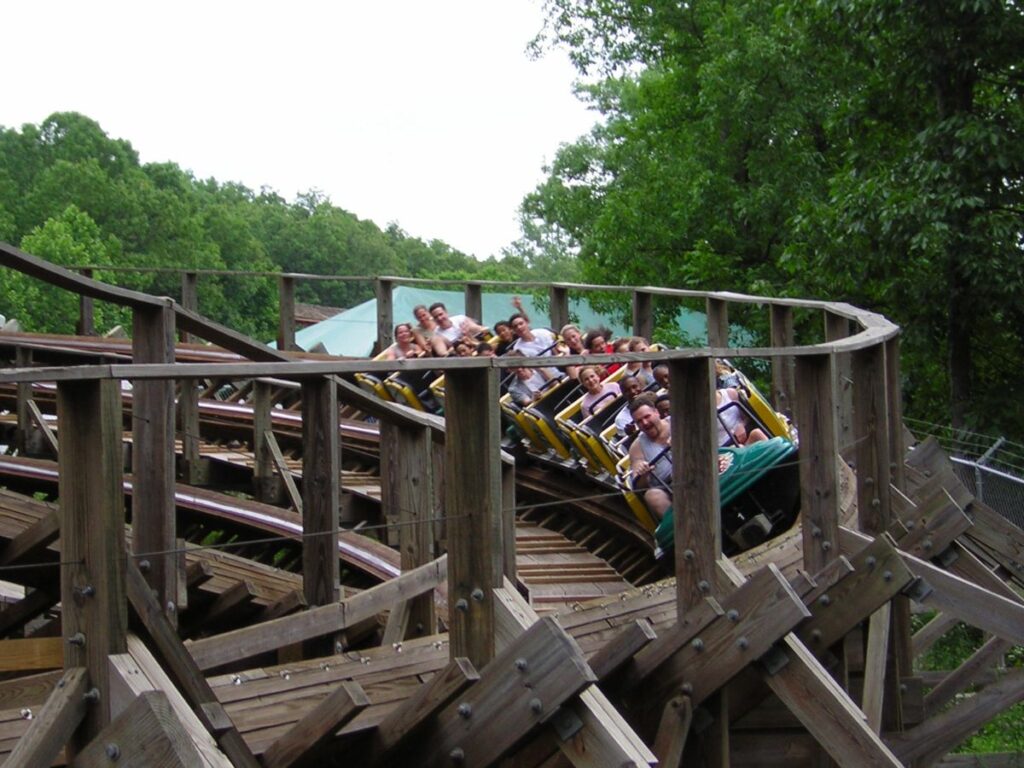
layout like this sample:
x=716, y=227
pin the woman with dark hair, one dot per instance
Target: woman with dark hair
x=405, y=344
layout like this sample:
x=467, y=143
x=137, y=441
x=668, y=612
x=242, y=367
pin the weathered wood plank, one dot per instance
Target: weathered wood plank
x=148, y=734
x=672, y=731
x=317, y=726
x=968, y=673
x=28, y=544
x=875, y=664
x=246, y=642
x=30, y=653
x=473, y=509
x=53, y=726
x=92, y=586
x=871, y=435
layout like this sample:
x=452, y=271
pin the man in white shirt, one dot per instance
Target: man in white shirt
x=533, y=343
x=453, y=328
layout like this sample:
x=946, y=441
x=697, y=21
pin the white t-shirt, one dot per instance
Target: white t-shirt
x=541, y=345
x=454, y=332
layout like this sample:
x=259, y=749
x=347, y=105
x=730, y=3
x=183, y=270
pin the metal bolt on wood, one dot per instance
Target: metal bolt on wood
x=465, y=710
x=461, y=605
x=732, y=615
x=457, y=755
x=825, y=600
x=536, y=706
x=521, y=665
x=697, y=643
x=113, y=751
x=92, y=695
x=704, y=586
x=477, y=594
x=77, y=639
x=743, y=643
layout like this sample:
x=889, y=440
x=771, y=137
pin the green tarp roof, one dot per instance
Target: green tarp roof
x=352, y=333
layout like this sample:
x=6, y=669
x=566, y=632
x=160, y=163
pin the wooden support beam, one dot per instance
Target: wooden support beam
x=17, y=615
x=40, y=421
x=397, y=624
x=407, y=492
x=894, y=403
x=473, y=509
x=277, y=460
x=967, y=674
x=837, y=327
x=286, y=313
x=931, y=632
x=937, y=522
x=31, y=542
x=153, y=510
x=508, y=520
x=267, y=484
x=558, y=311
x=523, y=687
x=189, y=300
x=321, y=470
x=826, y=710
x=92, y=588
x=414, y=712
x=875, y=666
x=474, y=300
x=621, y=649
x=85, y=326
x=879, y=574
x=819, y=480
x=643, y=314
x=676, y=718
x=190, y=431
x=591, y=732
x=54, y=725
x=958, y=597
x=871, y=437
x=756, y=615
x=148, y=734
x=783, y=370
x=317, y=726
x=23, y=435
x=698, y=529
x=718, y=322
x=247, y=642
x=30, y=653
x=385, y=313
x=285, y=605
x=182, y=668
x=938, y=735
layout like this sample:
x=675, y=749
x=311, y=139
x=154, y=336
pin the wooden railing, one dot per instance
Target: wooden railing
x=860, y=355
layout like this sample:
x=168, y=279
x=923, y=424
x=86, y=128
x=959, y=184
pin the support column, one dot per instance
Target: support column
x=86, y=322
x=385, y=314
x=23, y=436
x=698, y=528
x=286, y=317
x=718, y=322
x=819, y=484
x=189, y=299
x=321, y=476
x=188, y=421
x=153, y=508
x=473, y=508
x=268, y=487
x=474, y=301
x=837, y=328
x=94, y=612
x=558, y=312
x=871, y=438
x=643, y=314
x=783, y=376
x=407, y=490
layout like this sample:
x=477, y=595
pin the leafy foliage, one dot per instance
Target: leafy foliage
x=860, y=150
x=75, y=196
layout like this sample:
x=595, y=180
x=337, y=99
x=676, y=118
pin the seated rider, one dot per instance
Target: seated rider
x=453, y=328
x=526, y=384
x=630, y=387
x=650, y=455
x=533, y=343
x=732, y=420
x=405, y=344
x=599, y=395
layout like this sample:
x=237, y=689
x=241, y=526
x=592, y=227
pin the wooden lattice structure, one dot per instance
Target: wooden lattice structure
x=798, y=652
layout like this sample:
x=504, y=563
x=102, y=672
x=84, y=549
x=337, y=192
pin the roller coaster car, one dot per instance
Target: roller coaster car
x=374, y=384
x=768, y=418
x=412, y=388
x=537, y=422
x=759, y=493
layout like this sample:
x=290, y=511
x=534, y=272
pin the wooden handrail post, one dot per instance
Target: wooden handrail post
x=558, y=311
x=718, y=322
x=23, y=435
x=153, y=508
x=188, y=421
x=92, y=583
x=286, y=316
x=321, y=473
x=698, y=529
x=837, y=328
x=508, y=520
x=385, y=314
x=268, y=487
x=407, y=492
x=894, y=401
x=819, y=476
x=473, y=507
x=189, y=299
x=783, y=377
x=643, y=314
x=871, y=437
x=86, y=314
x=474, y=301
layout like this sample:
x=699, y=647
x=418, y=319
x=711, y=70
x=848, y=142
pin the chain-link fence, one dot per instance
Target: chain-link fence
x=992, y=468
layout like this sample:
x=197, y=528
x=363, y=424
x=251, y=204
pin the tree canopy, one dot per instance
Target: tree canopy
x=72, y=194
x=859, y=150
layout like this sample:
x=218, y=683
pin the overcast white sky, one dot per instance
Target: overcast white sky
x=425, y=113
